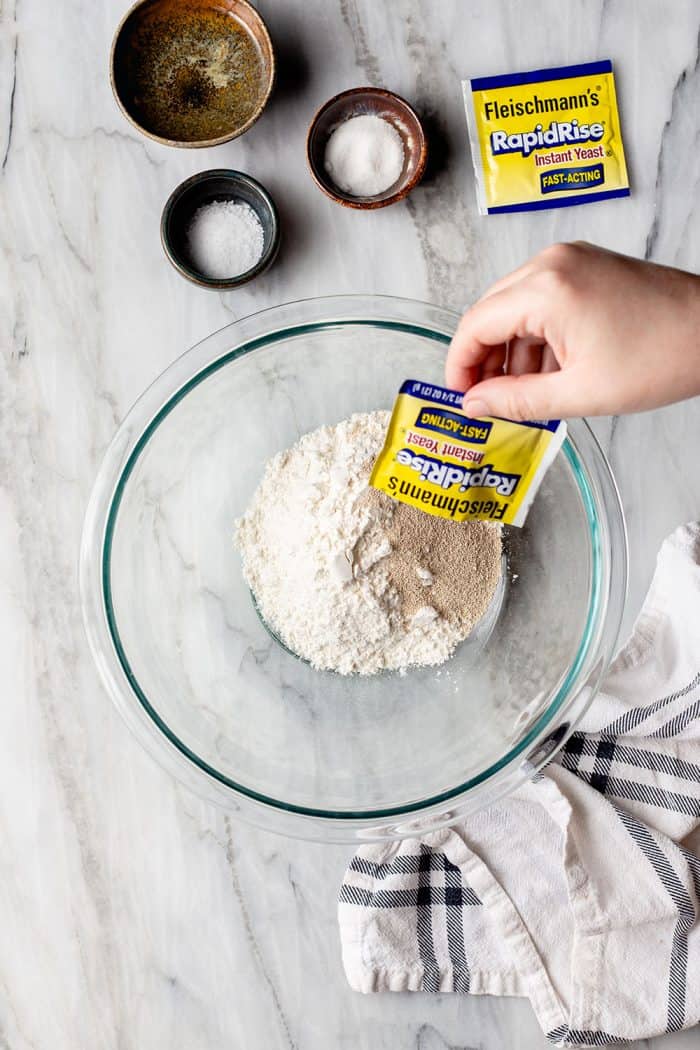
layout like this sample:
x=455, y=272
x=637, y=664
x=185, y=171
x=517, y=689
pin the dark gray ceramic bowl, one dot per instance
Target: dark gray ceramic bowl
x=218, y=184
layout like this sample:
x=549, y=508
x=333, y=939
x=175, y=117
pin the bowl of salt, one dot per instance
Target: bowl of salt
x=366, y=148
x=220, y=229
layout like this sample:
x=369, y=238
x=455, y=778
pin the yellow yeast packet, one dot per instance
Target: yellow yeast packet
x=548, y=138
x=438, y=459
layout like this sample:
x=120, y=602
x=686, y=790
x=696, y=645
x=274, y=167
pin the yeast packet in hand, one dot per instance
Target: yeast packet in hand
x=447, y=464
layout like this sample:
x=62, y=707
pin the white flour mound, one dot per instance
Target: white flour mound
x=312, y=553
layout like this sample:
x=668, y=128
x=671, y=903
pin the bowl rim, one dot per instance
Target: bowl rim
x=225, y=283
x=367, y=203
x=198, y=143
x=521, y=761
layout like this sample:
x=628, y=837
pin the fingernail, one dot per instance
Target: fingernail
x=475, y=407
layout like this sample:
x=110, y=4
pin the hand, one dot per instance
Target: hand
x=579, y=331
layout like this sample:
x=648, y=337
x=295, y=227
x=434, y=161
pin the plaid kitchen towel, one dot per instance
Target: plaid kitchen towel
x=580, y=891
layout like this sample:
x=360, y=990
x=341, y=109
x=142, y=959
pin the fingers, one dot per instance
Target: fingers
x=505, y=330
x=544, y=259
x=544, y=395
x=511, y=278
x=524, y=356
x=494, y=363
x=489, y=325
x=460, y=376
x=549, y=361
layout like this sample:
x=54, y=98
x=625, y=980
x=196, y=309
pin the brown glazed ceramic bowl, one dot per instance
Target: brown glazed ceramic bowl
x=192, y=72
x=374, y=102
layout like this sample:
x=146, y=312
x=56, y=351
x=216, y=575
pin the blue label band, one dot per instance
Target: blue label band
x=453, y=425
x=572, y=178
x=559, y=202
x=440, y=395
x=536, y=76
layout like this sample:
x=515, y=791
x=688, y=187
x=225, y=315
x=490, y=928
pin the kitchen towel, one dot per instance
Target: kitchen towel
x=580, y=891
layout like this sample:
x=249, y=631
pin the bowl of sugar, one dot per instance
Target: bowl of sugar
x=220, y=229
x=366, y=148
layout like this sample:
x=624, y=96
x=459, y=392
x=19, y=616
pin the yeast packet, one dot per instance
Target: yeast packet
x=548, y=138
x=445, y=463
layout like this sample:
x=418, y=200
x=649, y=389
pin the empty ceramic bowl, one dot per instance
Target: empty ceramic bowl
x=368, y=101
x=192, y=72
x=218, y=184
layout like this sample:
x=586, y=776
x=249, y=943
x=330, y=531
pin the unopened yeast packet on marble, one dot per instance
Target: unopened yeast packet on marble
x=445, y=463
x=549, y=138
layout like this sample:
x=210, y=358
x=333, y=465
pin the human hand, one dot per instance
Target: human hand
x=579, y=330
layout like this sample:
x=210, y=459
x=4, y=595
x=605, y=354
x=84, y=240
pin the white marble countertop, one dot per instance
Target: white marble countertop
x=132, y=914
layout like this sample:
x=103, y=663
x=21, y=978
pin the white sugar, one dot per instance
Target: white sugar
x=364, y=156
x=225, y=239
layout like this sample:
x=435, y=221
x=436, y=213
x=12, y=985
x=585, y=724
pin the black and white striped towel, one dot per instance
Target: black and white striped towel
x=582, y=890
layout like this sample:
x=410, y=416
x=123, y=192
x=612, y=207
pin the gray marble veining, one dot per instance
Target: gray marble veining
x=132, y=914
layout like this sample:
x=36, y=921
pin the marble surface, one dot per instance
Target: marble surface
x=132, y=914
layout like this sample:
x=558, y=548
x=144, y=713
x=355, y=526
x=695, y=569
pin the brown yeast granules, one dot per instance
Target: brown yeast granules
x=437, y=567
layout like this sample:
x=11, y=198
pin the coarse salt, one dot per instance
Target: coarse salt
x=225, y=239
x=364, y=156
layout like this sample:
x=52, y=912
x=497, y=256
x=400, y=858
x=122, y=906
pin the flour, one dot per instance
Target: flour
x=346, y=577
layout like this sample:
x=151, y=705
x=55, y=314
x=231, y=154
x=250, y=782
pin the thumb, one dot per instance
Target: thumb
x=541, y=395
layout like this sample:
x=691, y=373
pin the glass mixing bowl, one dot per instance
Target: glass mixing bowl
x=220, y=703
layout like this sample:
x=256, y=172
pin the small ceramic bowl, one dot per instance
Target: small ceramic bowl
x=376, y=102
x=192, y=72
x=219, y=184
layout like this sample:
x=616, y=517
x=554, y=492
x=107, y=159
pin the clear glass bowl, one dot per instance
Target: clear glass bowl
x=219, y=702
